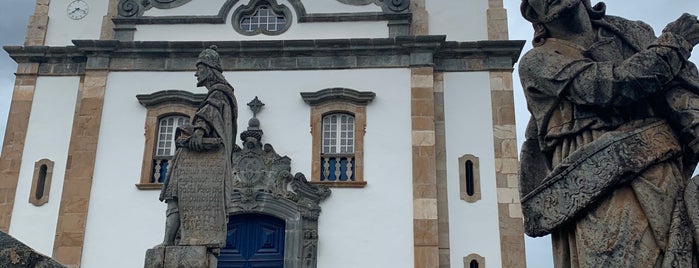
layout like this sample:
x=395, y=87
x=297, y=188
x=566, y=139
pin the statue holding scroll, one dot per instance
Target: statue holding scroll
x=613, y=137
x=195, y=188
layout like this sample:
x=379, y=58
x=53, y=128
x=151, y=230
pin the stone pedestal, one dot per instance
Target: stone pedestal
x=180, y=257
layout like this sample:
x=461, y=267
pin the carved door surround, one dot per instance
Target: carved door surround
x=263, y=184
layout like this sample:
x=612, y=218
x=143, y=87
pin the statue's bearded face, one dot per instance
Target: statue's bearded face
x=202, y=74
x=548, y=10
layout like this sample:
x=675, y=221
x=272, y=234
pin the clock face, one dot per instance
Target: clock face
x=77, y=9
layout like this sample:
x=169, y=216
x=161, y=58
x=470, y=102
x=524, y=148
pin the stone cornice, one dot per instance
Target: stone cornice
x=169, y=97
x=398, y=52
x=338, y=93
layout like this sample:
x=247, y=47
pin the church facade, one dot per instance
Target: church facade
x=404, y=109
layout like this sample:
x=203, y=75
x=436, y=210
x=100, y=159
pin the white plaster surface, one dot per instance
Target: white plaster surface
x=225, y=32
x=473, y=227
x=192, y=8
x=62, y=29
x=126, y=220
x=462, y=20
x=48, y=136
x=334, y=6
x=214, y=6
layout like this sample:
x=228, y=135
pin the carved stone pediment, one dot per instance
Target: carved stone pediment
x=263, y=183
x=259, y=170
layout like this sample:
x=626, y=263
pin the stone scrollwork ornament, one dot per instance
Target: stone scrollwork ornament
x=135, y=8
x=391, y=5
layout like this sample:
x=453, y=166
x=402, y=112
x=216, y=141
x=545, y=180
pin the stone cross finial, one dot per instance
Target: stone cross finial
x=255, y=106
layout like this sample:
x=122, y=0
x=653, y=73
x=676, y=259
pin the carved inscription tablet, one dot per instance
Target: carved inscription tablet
x=200, y=177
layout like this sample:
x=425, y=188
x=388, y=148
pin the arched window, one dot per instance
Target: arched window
x=165, y=145
x=338, y=134
x=337, y=157
x=265, y=19
x=166, y=110
x=469, y=178
x=474, y=261
x=338, y=124
x=41, y=182
x=262, y=17
x=166, y=134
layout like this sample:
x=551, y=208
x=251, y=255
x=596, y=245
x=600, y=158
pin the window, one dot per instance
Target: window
x=338, y=122
x=474, y=261
x=165, y=145
x=166, y=111
x=262, y=17
x=337, y=157
x=41, y=183
x=469, y=178
x=265, y=19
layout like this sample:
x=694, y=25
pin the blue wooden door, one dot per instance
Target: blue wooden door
x=253, y=241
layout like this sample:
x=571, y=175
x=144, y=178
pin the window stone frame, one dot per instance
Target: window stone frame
x=162, y=104
x=471, y=257
x=338, y=100
x=476, y=178
x=47, y=182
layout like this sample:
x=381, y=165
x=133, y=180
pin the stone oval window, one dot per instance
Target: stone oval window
x=262, y=17
x=41, y=182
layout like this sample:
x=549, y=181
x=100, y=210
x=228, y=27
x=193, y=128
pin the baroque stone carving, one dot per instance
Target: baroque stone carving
x=131, y=8
x=613, y=137
x=392, y=5
x=263, y=183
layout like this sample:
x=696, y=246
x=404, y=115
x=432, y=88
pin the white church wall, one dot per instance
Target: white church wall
x=48, y=136
x=463, y=20
x=214, y=6
x=62, y=29
x=126, y=220
x=337, y=7
x=225, y=32
x=474, y=227
x=193, y=8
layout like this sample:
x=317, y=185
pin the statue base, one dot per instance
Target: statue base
x=180, y=257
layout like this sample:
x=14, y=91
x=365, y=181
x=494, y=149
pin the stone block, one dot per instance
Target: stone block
x=425, y=209
x=155, y=257
x=180, y=257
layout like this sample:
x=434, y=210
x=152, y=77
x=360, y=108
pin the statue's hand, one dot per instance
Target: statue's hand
x=195, y=141
x=686, y=26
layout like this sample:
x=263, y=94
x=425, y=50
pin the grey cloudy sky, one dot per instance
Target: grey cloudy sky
x=14, y=15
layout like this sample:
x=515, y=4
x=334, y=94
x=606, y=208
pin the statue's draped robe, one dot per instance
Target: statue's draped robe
x=199, y=180
x=580, y=97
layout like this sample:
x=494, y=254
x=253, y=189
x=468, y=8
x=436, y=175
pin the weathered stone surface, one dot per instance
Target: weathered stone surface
x=612, y=139
x=180, y=257
x=15, y=254
x=195, y=185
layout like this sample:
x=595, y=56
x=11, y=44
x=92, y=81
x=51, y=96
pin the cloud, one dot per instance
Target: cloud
x=13, y=24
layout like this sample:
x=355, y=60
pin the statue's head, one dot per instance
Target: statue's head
x=209, y=68
x=540, y=12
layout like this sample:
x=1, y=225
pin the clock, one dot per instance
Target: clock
x=77, y=9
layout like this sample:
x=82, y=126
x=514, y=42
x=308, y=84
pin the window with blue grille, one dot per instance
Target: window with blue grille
x=337, y=157
x=165, y=145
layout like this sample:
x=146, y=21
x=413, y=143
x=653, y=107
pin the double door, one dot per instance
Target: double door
x=253, y=241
